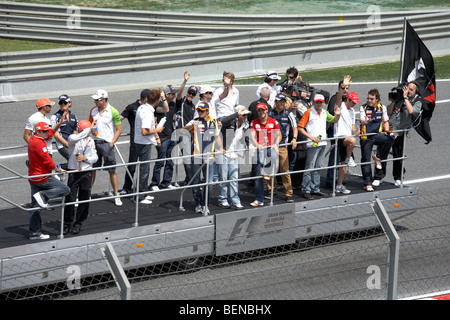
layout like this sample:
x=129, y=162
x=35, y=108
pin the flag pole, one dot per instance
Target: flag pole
x=402, y=53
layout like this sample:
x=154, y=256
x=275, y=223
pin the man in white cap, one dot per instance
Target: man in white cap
x=313, y=126
x=270, y=82
x=109, y=126
x=233, y=144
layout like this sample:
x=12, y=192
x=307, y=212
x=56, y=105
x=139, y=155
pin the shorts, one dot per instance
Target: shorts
x=106, y=153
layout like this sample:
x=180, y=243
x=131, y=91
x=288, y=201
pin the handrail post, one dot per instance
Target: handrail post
x=394, y=247
x=138, y=173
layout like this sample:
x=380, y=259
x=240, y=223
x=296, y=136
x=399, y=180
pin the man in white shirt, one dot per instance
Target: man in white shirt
x=109, y=127
x=345, y=128
x=44, y=106
x=146, y=135
x=270, y=82
x=225, y=98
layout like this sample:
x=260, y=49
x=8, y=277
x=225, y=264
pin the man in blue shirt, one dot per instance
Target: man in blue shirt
x=286, y=121
x=66, y=128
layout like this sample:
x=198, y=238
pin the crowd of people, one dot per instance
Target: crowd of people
x=279, y=131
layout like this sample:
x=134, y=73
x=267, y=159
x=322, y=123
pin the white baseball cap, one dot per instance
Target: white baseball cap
x=100, y=94
x=319, y=97
x=273, y=75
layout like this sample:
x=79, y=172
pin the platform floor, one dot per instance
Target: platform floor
x=106, y=216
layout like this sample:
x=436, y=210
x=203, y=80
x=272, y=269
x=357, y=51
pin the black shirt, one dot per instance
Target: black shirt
x=169, y=125
x=130, y=114
x=185, y=109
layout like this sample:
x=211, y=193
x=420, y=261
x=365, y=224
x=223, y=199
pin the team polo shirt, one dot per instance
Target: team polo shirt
x=377, y=114
x=40, y=161
x=145, y=119
x=205, y=134
x=316, y=124
x=265, y=132
x=106, y=122
x=286, y=120
x=66, y=128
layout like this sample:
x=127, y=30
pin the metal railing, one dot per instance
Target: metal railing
x=24, y=20
x=148, y=55
x=154, y=63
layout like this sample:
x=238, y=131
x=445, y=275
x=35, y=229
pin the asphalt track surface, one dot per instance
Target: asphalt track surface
x=427, y=166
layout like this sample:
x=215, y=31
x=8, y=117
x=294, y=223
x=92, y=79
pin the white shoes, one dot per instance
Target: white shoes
x=350, y=162
x=257, y=203
x=146, y=201
x=377, y=162
x=342, y=189
x=199, y=209
x=398, y=183
x=39, y=236
x=171, y=187
x=40, y=200
x=117, y=201
x=155, y=188
x=376, y=183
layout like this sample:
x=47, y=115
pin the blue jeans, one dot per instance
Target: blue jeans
x=314, y=160
x=165, y=151
x=196, y=192
x=143, y=154
x=228, y=170
x=51, y=189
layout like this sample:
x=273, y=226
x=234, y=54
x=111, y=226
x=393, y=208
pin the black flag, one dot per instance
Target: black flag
x=418, y=65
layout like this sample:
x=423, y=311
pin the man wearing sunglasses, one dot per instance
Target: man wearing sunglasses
x=67, y=128
x=185, y=109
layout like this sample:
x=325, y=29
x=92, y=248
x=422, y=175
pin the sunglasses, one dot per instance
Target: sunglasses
x=98, y=99
x=200, y=110
x=63, y=102
x=44, y=131
x=192, y=93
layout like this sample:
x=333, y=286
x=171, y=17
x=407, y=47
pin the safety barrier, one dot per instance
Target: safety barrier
x=102, y=25
x=154, y=63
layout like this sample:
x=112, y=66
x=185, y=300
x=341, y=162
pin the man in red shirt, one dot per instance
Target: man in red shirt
x=46, y=187
x=265, y=133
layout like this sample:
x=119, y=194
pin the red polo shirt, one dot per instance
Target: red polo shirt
x=265, y=132
x=40, y=161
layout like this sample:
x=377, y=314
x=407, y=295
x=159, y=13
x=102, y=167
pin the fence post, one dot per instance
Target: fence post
x=394, y=247
x=117, y=271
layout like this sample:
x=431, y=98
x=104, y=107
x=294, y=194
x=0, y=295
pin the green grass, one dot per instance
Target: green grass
x=9, y=45
x=363, y=73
